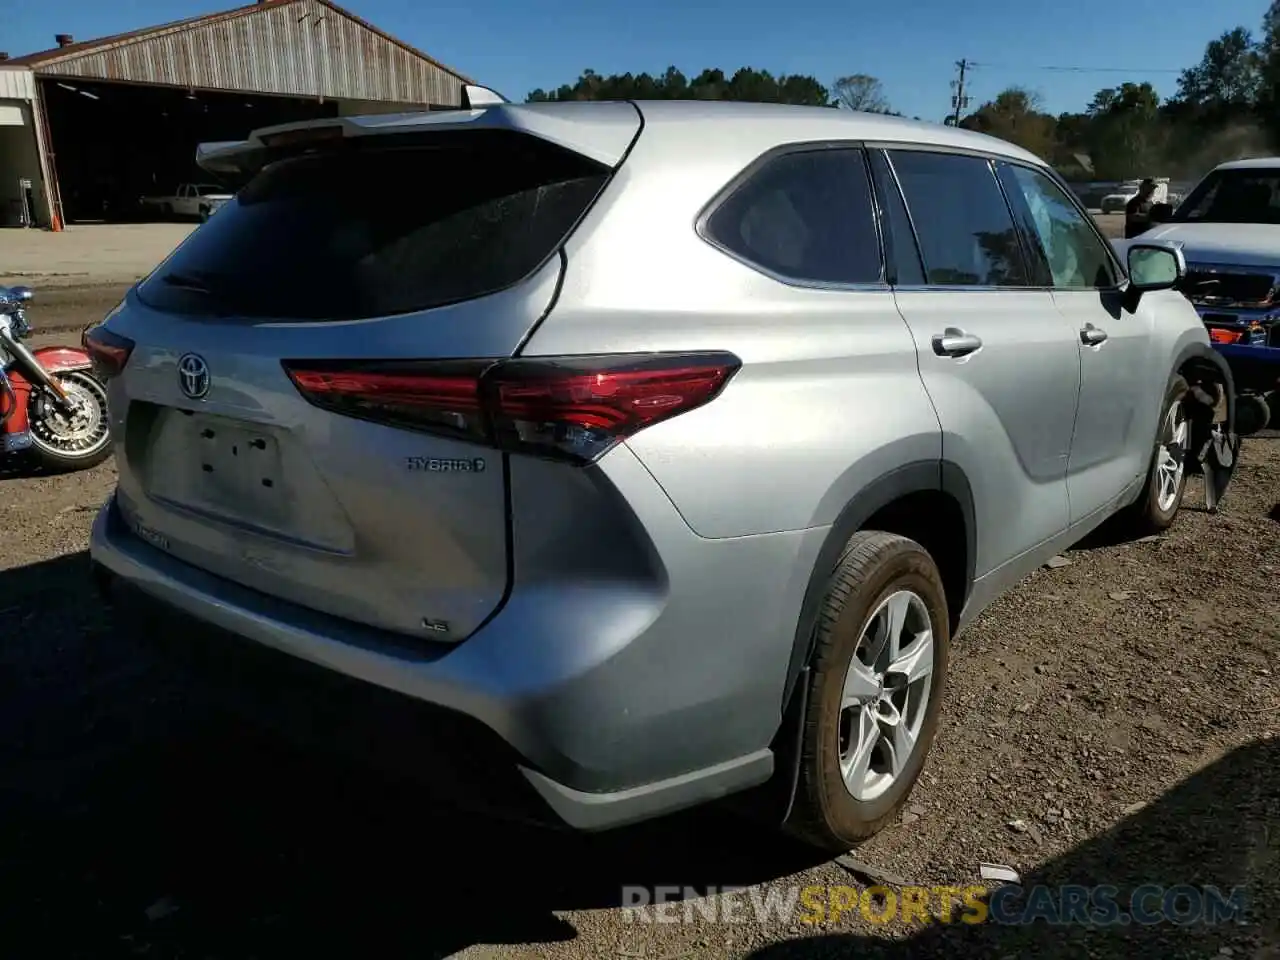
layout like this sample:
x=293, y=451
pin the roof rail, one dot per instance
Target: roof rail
x=474, y=95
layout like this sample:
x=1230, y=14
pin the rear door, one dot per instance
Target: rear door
x=1118, y=410
x=997, y=358
x=419, y=248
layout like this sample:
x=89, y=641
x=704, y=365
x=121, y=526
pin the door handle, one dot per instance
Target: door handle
x=1091, y=336
x=954, y=342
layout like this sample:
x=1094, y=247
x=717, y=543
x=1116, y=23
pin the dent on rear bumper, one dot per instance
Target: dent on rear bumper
x=626, y=699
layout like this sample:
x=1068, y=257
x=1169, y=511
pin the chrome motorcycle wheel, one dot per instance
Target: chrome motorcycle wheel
x=76, y=440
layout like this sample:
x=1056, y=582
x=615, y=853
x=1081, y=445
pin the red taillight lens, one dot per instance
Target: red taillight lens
x=439, y=397
x=1225, y=335
x=108, y=351
x=573, y=408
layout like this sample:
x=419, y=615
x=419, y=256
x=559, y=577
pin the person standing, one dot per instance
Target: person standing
x=1137, y=212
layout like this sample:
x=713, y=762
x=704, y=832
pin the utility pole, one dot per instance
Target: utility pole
x=959, y=102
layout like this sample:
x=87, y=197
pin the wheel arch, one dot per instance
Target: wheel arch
x=1198, y=362
x=930, y=501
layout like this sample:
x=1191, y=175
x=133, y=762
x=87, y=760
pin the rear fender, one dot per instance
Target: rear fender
x=912, y=478
x=919, y=477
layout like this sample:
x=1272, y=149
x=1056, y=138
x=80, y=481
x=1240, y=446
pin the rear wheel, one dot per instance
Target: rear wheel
x=875, y=687
x=1161, y=499
x=74, y=441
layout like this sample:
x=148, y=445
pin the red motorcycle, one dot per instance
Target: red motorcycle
x=51, y=404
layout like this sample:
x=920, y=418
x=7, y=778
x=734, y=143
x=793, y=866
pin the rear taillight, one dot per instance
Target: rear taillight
x=108, y=351
x=572, y=408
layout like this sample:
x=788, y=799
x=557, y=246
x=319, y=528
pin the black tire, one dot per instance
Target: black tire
x=875, y=565
x=56, y=462
x=1145, y=516
x=1273, y=404
x=1253, y=413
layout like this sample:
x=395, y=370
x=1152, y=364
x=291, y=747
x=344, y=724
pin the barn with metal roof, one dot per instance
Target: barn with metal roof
x=89, y=126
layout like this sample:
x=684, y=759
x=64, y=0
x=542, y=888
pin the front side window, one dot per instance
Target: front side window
x=804, y=216
x=1075, y=256
x=966, y=232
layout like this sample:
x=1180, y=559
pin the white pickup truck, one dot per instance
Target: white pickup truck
x=190, y=200
x=1115, y=202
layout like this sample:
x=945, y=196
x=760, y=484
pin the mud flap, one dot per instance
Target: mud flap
x=1213, y=451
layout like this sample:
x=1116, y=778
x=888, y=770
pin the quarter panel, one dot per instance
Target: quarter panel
x=828, y=399
x=829, y=396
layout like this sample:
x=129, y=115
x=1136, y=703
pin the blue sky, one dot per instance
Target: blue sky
x=516, y=45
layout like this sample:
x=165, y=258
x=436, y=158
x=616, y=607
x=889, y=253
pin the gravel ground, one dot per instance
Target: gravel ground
x=1111, y=721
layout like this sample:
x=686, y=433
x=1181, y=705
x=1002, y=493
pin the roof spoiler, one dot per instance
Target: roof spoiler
x=475, y=96
x=606, y=143
x=223, y=157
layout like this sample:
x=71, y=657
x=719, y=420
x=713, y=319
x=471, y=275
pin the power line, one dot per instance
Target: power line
x=1059, y=69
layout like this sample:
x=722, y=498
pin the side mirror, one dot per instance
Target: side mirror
x=1161, y=213
x=1153, y=265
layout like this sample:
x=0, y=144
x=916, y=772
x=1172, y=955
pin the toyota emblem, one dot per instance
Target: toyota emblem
x=193, y=376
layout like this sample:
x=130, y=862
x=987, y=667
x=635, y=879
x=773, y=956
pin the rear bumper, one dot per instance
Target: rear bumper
x=531, y=707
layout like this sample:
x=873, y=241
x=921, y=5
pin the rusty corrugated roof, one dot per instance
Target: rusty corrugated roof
x=45, y=58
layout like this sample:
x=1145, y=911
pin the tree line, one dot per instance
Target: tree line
x=1226, y=106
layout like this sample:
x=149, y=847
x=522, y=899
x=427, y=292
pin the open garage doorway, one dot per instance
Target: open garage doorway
x=113, y=143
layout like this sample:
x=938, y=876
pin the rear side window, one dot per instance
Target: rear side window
x=967, y=235
x=373, y=230
x=804, y=216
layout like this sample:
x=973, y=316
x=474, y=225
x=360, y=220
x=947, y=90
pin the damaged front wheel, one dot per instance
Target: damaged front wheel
x=1155, y=510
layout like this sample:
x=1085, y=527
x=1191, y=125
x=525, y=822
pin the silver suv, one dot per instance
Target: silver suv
x=654, y=451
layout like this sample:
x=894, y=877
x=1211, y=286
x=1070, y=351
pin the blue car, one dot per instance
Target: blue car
x=1255, y=367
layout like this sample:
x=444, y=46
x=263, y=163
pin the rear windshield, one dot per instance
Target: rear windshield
x=369, y=231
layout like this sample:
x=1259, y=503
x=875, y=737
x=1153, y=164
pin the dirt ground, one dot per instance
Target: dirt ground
x=87, y=253
x=1115, y=720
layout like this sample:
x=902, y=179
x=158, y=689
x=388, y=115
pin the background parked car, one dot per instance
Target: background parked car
x=1115, y=202
x=196, y=200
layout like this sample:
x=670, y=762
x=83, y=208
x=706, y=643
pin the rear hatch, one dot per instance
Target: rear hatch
x=436, y=242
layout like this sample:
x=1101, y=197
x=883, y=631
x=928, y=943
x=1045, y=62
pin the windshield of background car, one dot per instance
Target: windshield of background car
x=1234, y=196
